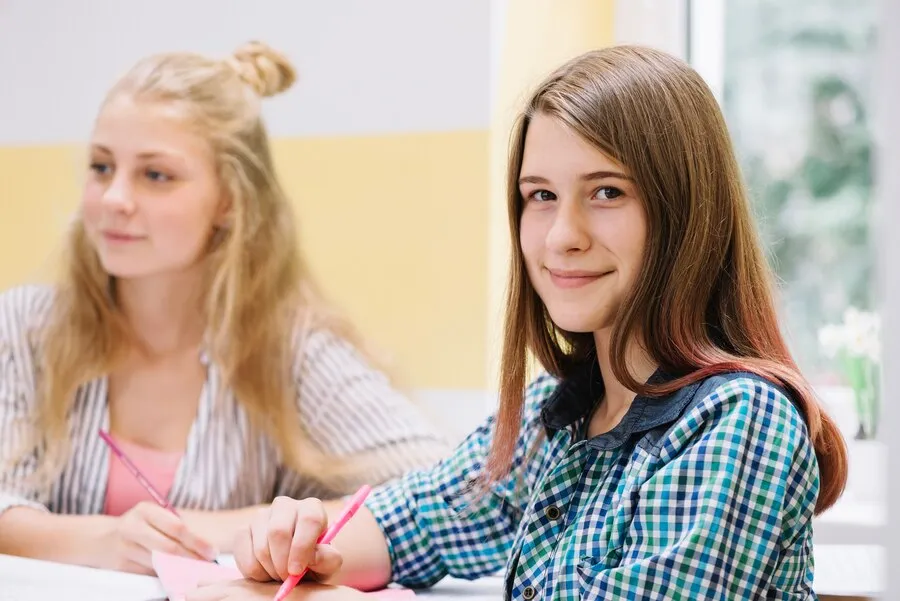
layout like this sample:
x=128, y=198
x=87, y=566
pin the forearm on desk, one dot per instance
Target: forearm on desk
x=367, y=563
x=30, y=532
x=220, y=528
x=74, y=539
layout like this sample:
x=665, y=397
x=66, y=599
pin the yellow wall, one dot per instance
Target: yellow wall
x=539, y=36
x=393, y=226
x=407, y=232
x=38, y=191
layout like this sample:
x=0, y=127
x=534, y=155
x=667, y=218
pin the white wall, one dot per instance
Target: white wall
x=888, y=140
x=393, y=65
x=367, y=68
x=656, y=23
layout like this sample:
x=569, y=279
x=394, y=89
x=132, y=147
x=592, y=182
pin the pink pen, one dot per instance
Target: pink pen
x=349, y=511
x=142, y=480
x=161, y=500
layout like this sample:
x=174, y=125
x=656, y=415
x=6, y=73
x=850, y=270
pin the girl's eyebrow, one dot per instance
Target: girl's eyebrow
x=594, y=175
x=148, y=154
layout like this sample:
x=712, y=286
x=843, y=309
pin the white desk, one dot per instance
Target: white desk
x=840, y=570
x=451, y=589
x=32, y=580
x=860, y=516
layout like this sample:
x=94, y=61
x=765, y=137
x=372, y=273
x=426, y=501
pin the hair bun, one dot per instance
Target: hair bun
x=266, y=70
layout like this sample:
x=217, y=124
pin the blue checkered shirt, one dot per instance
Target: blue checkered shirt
x=705, y=494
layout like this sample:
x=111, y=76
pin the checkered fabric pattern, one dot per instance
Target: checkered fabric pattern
x=707, y=494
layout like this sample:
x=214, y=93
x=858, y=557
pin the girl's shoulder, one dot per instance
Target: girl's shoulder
x=24, y=310
x=740, y=413
x=758, y=399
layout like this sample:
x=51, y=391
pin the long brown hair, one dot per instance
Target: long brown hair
x=257, y=290
x=704, y=303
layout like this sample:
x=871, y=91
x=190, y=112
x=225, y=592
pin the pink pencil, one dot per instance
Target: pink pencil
x=161, y=500
x=349, y=511
x=142, y=480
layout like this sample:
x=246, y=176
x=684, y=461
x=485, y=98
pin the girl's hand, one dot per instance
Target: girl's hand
x=147, y=527
x=282, y=540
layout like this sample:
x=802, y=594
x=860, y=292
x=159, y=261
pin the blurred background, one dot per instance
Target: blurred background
x=393, y=147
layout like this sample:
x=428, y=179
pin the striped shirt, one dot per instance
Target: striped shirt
x=707, y=493
x=347, y=407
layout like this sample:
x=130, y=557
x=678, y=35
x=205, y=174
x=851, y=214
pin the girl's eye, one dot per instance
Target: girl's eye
x=100, y=168
x=157, y=176
x=607, y=193
x=542, y=196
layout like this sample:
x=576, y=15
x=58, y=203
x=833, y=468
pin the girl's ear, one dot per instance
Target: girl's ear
x=222, y=218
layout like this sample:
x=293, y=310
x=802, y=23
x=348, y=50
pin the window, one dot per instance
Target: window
x=797, y=78
x=795, y=83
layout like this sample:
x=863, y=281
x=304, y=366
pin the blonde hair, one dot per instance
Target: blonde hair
x=257, y=290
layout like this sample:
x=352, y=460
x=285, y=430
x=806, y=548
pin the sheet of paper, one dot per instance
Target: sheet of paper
x=179, y=575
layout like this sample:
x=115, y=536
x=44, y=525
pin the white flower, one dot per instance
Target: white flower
x=858, y=335
x=832, y=339
x=861, y=321
x=873, y=350
x=856, y=344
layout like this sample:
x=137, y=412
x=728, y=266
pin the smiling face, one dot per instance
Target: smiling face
x=582, y=228
x=152, y=197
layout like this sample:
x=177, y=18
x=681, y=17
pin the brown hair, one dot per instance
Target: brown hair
x=704, y=302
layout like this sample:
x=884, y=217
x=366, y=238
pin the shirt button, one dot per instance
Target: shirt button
x=529, y=593
x=552, y=513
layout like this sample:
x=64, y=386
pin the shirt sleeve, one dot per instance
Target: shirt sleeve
x=349, y=407
x=727, y=514
x=437, y=522
x=18, y=308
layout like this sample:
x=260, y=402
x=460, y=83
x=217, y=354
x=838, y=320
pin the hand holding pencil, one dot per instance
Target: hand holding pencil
x=129, y=539
x=148, y=526
x=291, y=538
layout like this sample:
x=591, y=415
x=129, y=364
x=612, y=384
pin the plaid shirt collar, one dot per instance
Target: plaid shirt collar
x=578, y=394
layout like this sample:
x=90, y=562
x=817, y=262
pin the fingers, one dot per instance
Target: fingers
x=311, y=521
x=327, y=562
x=245, y=554
x=287, y=528
x=259, y=543
x=170, y=526
x=135, y=558
x=281, y=540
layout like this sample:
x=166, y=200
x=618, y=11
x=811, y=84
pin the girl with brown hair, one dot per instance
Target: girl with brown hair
x=671, y=449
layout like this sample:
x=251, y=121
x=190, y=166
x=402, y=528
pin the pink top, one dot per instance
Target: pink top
x=123, y=491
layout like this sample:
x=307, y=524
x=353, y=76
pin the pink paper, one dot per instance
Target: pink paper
x=179, y=575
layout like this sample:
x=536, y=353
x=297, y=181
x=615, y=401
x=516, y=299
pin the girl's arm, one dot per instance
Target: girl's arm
x=416, y=530
x=352, y=410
